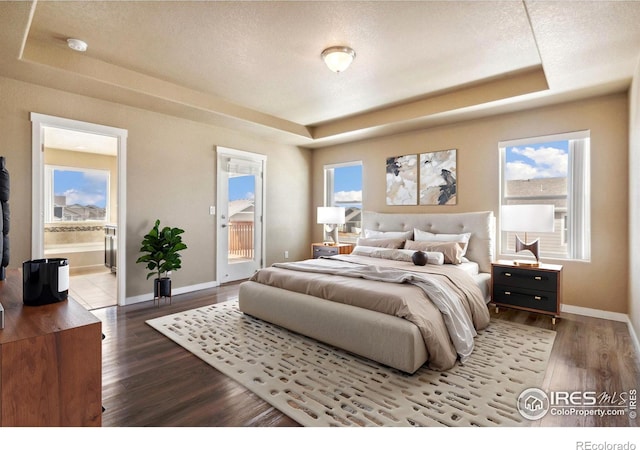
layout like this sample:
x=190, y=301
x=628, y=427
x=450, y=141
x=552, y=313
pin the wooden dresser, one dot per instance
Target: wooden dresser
x=50, y=362
x=537, y=289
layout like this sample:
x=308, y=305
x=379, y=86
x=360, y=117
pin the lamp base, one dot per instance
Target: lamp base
x=332, y=230
x=524, y=263
x=533, y=247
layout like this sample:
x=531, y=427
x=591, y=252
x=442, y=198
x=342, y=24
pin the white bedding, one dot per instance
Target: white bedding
x=470, y=267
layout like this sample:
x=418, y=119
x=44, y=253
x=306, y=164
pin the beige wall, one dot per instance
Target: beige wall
x=634, y=201
x=599, y=284
x=170, y=176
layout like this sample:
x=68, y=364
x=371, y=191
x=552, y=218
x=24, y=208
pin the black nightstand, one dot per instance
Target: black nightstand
x=537, y=289
x=322, y=249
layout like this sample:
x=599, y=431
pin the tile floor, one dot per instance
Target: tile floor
x=95, y=290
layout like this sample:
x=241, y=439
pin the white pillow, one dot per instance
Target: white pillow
x=388, y=234
x=463, y=238
x=363, y=250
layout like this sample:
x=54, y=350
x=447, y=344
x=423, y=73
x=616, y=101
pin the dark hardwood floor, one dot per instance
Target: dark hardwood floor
x=149, y=381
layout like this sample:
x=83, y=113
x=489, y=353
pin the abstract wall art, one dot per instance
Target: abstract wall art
x=402, y=180
x=438, y=178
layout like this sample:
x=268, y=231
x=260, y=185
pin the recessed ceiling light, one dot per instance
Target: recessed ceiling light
x=77, y=45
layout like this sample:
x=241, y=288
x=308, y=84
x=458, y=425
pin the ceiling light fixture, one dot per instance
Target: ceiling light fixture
x=338, y=58
x=77, y=45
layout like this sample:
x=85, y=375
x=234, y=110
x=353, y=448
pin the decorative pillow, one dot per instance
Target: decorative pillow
x=419, y=258
x=436, y=258
x=463, y=238
x=396, y=254
x=388, y=234
x=384, y=243
x=452, y=250
x=390, y=253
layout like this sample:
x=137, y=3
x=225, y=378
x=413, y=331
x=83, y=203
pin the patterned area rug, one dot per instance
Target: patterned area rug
x=318, y=385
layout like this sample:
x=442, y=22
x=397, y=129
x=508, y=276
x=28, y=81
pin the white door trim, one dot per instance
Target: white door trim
x=39, y=121
x=225, y=151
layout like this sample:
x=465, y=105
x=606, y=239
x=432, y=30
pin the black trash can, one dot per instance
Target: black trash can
x=45, y=281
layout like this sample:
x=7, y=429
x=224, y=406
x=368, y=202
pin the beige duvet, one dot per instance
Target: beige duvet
x=404, y=300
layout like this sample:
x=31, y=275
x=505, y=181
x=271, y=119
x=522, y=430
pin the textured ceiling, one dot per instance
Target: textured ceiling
x=256, y=66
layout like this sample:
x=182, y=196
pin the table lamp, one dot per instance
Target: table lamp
x=331, y=217
x=527, y=218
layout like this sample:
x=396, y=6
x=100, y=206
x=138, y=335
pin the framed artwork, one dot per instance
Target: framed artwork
x=402, y=180
x=438, y=178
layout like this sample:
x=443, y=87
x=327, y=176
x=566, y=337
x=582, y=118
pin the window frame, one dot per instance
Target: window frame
x=576, y=232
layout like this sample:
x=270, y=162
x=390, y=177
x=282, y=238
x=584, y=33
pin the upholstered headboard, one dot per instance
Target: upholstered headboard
x=481, y=225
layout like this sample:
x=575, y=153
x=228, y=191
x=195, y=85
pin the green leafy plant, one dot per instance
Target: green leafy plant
x=160, y=248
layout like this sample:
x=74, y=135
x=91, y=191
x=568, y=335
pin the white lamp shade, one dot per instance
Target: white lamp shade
x=527, y=218
x=332, y=215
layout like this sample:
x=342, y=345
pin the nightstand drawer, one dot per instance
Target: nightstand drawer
x=324, y=250
x=525, y=298
x=524, y=278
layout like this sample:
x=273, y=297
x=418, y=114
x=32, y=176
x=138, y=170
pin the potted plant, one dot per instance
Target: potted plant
x=160, y=248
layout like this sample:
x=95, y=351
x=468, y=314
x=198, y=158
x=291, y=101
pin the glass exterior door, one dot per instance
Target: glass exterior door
x=239, y=220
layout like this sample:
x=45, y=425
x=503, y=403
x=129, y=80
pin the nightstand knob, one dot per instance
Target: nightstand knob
x=507, y=274
x=537, y=298
x=537, y=278
x=507, y=293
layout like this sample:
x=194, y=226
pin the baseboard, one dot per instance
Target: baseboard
x=597, y=313
x=608, y=315
x=634, y=339
x=176, y=291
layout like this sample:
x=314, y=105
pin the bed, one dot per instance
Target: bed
x=341, y=300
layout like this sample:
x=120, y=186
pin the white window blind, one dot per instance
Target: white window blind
x=579, y=205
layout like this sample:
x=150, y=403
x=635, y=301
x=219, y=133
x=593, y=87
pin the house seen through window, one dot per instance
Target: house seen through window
x=343, y=187
x=550, y=170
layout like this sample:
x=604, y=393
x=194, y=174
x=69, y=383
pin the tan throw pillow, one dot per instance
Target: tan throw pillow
x=452, y=251
x=384, y=243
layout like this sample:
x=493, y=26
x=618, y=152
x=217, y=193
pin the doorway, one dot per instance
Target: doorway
x=240, y=218
x=78, y=193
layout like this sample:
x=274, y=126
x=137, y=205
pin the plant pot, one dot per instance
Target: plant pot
x=162, y=287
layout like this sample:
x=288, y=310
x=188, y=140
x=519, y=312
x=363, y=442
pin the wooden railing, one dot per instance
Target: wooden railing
x=241, y=239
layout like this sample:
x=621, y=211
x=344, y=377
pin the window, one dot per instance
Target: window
x=75, y=195
x=551, y=170
x=343, y=187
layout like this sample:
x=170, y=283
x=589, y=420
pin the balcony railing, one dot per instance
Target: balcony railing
x=241, y=240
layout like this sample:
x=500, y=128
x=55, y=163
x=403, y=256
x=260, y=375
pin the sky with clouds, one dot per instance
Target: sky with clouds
x=347, y=185
x=86, y=188
x=548, y=160
x=242, y=188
